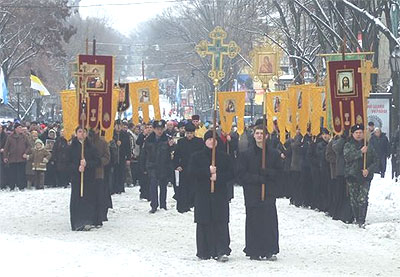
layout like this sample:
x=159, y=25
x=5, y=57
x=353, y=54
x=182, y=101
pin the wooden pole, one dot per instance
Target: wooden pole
x=94, y=46
x=87, y=46
x=263, y=163
x=214, y=130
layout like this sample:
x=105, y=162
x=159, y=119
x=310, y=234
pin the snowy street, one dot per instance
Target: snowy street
x=35, y=239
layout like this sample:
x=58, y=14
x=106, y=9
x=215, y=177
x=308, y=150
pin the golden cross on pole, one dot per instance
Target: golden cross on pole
x=366, y=70
x=217, y=49
x=82, y=76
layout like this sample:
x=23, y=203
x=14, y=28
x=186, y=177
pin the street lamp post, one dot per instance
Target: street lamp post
x=395, y=64
x=251, y=94
x=17, y=90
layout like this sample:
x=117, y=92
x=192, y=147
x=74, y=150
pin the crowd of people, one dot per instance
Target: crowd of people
x=325, y=173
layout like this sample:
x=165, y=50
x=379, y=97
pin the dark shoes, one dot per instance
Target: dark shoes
x=152, y=211
x=255, y=258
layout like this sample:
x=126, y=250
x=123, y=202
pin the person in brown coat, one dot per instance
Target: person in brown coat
x=103, y=199
x=16, y=150
x=39, y=157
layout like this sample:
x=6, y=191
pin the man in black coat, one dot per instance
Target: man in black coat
x=143, y=176
x=261, y=216
x=380, y=143
x=183, y=151
x=324, y=172
x=211, y=209
x=157, y=156
x=123, y=153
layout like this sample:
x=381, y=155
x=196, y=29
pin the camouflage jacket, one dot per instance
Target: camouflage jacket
x=354, y=161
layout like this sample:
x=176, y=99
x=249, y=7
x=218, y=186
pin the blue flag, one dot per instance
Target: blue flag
x=3, y=89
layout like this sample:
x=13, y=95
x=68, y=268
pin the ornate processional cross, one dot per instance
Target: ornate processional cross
x=366, y=70
x=217, y=49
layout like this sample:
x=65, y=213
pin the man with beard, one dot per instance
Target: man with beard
x=82, y=209
x=211, y=209
x=184, y=149
x=357, y=178
x=261, y=216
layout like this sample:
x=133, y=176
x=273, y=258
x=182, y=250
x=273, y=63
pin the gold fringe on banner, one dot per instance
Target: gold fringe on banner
x=231, y=104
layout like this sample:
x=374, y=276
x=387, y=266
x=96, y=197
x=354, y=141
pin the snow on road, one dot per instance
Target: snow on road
x=35, y=239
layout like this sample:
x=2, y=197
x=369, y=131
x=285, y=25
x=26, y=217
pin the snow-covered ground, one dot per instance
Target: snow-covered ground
x=35, y=239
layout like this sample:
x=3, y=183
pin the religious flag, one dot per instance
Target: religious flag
x=231, y=104
x=3, y=88
x=277, y=112
x=345, y=88
x=143, y=94
x=123, y=97
x=37, y=84
x=69, y=102
x=96, y=74
x=318, y=108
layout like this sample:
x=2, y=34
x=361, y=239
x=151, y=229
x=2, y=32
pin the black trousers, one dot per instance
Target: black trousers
x=212, y=239
x=16, y=175
x=62, y=178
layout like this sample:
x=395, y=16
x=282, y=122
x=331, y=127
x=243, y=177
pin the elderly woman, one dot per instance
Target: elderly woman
x=380, y=143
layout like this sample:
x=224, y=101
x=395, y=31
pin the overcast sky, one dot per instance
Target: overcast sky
x=124, y=18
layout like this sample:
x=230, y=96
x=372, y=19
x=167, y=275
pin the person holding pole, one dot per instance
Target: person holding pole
x=211, y=207
x=262, y=238
x=360, y=165
x=83, y=205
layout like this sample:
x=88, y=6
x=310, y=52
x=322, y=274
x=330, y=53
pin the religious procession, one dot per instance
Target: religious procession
x=268, y=151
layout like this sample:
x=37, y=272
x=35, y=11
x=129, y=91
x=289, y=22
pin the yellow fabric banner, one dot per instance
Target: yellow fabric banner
x=143, y=94
x=303, y=96
x=70, y=104
x=277, y=103
x=70, y=112
x=231, y=104
x=316, y=109
x=292, y=119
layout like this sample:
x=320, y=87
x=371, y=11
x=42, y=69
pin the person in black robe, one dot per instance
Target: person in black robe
x=211, y=210
x=262, y=237
x=82, y=209
x=183, y=151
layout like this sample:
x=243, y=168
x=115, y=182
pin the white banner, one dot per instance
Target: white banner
x=379, y=113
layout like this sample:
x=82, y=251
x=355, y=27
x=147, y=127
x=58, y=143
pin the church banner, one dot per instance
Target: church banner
x=70, y=119
x=345, y=89
x=143, y=94
x=123, y=97
x=69, y=106
x=231, y=104
x=99, y=88
x=277, y=112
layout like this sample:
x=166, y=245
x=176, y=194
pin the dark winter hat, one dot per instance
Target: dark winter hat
x=259, y=122
x=189, y=127
x=357, y=127
x=181, y=124
x=195, y=117
x=325, y=131
x=158, y=124
x=208, y=134
x=16, y=125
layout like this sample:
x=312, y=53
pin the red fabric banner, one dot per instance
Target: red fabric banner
x=99, y=88
x=345, y=87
